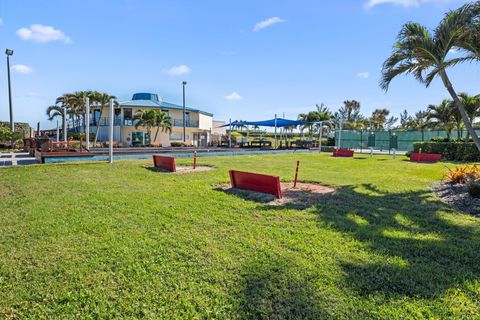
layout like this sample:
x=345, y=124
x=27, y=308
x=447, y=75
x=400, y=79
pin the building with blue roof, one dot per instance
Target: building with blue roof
x=198, y=123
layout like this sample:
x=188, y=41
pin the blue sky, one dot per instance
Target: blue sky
x=246, y=59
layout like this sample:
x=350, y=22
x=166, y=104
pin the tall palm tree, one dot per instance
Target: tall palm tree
x=424, y=55
x=102, y=99
x=162, y=121
x=147, y=119
x=441, y=116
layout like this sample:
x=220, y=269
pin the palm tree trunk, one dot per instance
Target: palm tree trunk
x=156, y=134
x=461, y=109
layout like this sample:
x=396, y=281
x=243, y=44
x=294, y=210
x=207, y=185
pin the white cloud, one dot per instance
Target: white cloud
x=233, y=97
x=21, y=68
x=403, y=3
x=42, y=34
x=178, y=70
x=363, y=75
x=267, y=23
x=454, y=50
x=1, y=22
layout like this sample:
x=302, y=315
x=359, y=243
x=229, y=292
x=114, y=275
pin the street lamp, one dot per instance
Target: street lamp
x=184, y=83
x=9, y=52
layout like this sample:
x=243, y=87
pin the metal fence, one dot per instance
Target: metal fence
x=359, y=139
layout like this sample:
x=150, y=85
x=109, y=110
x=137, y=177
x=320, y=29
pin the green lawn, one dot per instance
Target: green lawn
x=93, y=240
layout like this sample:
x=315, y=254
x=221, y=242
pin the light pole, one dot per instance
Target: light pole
x=184, y=83
x=9, y=52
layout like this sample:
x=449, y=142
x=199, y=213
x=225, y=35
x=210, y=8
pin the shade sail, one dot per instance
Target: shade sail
x=279, y=122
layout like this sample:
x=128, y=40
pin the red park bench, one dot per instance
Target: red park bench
x=425, y=157
x=256, y=182
x=163, y=162
x=342, y=152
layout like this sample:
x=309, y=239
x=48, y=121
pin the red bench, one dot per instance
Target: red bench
x=163, y=162
x=342, y=153
x=425, y=157
x=256, y=182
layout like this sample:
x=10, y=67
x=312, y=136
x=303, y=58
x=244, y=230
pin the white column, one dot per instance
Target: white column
x=230, y=135
x=87, y=123
x=320, y=137
x=58, y=132
x=275, y=147
x=65, y=124
x=110, y=145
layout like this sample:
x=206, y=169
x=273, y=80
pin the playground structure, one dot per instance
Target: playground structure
x=280, y=138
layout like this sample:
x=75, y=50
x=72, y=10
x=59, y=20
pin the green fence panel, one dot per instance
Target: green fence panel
x=350, y=139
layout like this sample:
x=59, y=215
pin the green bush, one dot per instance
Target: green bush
x=451, y=151
x=179, y=144
x=473, y=187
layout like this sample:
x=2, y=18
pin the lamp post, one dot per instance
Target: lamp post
x=184, y=83
x=9, y=52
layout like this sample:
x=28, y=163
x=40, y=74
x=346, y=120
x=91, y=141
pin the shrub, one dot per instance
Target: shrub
x=473, y=187
x=451, y=151
x=179, y=144
x=462, y=174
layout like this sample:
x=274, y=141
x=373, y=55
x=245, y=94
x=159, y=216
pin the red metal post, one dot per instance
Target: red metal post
x=296, y=175
x=194, y=159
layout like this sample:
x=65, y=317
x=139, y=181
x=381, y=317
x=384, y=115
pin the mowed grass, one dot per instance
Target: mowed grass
x=92, y=240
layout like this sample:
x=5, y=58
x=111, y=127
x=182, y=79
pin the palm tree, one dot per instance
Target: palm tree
x=468, y=15
x=103, y=100
x=67, y=100
x=424, y=55
x=162, y=121
x=54, y=112
x=441, y=116
x=472, y=107
x=147, y=119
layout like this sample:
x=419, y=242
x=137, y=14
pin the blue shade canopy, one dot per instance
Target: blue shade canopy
x=279, y=122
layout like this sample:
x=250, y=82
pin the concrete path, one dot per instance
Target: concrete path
x=9, y=159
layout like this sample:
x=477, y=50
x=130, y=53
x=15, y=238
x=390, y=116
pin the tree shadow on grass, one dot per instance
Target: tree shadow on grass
x=416, y=251
x=276, y=288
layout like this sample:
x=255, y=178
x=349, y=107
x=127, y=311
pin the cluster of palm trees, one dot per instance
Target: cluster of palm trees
x=446, y=116
x=426, y=55
x=75, y=106
x=152, y=118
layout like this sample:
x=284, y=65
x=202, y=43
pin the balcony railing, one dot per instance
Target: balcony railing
x=119, y=122
x=106, y=122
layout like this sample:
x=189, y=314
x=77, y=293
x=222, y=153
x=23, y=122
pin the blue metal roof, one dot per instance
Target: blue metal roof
x=150, y=100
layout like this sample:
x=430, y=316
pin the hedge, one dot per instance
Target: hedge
x=450, y=151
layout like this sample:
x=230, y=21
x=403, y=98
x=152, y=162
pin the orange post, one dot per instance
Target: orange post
x=194, y=159
x=296, y=175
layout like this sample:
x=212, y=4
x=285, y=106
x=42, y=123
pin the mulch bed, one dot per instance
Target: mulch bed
x=457, y=196
x=304, y=194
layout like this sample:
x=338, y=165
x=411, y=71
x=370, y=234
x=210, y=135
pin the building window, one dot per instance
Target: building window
x=127, y=117
x=176, y=136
